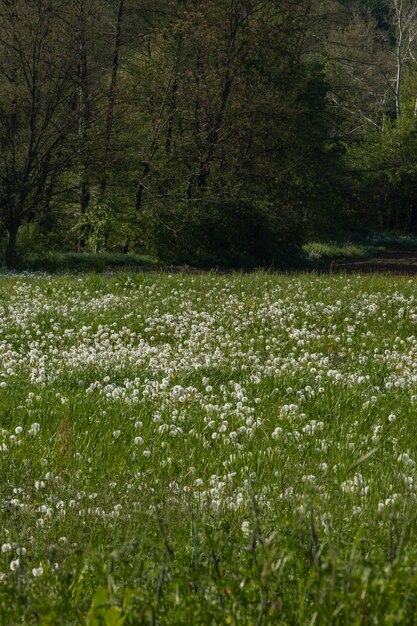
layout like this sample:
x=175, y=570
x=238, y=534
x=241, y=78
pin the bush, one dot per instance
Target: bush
x=56, y=262
x=237, y=234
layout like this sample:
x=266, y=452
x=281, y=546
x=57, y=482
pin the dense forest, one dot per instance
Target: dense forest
x=227, y=128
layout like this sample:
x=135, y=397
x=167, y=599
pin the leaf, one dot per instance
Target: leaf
x=113, y=616
x=100, y=598
x=363, y=459
x=99, y=601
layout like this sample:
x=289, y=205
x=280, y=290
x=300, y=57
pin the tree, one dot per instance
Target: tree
x=220, y=118
x=37, y=52
x=405, y=23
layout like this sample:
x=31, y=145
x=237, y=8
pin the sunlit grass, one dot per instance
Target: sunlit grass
x=328, y=250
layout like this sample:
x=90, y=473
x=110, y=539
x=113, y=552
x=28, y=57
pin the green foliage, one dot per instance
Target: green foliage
x=386, y=174
x=232, y=131
x=261, y=233
x=56, y=262
x=332, y=250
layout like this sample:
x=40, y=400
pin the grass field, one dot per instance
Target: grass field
x=208, y=450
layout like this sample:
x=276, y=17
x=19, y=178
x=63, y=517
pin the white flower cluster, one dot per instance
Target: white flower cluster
x=210, y=391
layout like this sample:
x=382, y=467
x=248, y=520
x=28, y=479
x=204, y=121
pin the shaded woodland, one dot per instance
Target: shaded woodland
x=229, y=129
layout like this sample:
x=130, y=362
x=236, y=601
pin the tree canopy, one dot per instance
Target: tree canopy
x=230, y=128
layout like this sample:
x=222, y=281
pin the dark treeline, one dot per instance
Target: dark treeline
x=227, y=128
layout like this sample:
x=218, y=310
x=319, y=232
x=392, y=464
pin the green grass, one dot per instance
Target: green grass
x=211, y=450
x=330, y=250
x=393, y=239
x=360, y=246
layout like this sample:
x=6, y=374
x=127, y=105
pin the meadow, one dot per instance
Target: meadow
x=206, y=449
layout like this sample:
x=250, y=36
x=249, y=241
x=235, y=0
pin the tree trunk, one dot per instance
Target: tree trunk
x=10, y=254
x=83, y=123
x=141, y=186
x=399, y=55
x=112, y=96
x=84, y=203
x=173, y=97
x=217, y=124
